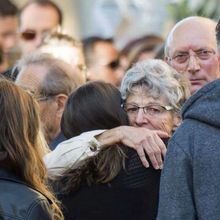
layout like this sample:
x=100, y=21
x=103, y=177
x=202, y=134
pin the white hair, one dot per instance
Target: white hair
x=160, y=80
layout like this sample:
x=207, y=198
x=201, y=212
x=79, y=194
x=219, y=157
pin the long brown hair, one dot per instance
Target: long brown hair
x=20, y=140
x=95, y=105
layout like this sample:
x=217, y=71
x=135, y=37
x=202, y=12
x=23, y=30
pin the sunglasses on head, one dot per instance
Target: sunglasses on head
x=114, y=64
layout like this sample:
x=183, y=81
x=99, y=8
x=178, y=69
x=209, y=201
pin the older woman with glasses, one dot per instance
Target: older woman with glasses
x=153, y=94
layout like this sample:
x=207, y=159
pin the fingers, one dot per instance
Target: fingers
x=141, y=154
x=162, y=134
x=154, y=153
x=161, y=145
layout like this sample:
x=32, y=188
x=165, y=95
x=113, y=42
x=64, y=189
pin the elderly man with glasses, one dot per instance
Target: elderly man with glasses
x=50, y=80
x=191, y=49
x=190, y=181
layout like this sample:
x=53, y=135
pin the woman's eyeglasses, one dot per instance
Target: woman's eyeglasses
x=152, y=109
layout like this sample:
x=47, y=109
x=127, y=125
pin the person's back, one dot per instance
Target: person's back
x=132, y=194
x=190, y=179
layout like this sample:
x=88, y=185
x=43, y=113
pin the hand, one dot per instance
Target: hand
x=145, y=140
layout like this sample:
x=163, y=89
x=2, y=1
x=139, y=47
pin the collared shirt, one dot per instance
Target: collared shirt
x=71, y=151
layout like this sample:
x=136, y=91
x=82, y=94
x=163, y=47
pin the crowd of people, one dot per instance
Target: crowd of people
x=88, y=131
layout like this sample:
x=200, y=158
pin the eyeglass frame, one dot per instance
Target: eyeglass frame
x=40, y=97
x=44, y=33
x=146, y=109
x=44, y=98
x=113, y=65
x=197, y=55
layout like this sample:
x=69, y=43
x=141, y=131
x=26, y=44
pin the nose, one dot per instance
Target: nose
x=10, y=42
x=140, y=118
x=38, y=41
x=193, y=64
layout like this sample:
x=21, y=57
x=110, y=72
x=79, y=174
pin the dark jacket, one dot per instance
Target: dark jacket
x=57, y=140
x=132, y=195
x=19, y=201
x=190, y=180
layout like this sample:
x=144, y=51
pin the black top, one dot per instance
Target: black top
x=57, y=140
x=11, y=74
x=132, y=195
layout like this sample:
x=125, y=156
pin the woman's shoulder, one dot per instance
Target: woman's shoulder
x=20, y=200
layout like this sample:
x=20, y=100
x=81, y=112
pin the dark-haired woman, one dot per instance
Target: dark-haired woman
x=23, y=192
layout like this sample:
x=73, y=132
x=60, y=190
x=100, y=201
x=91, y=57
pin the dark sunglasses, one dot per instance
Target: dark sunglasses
x=114, y=64
x=28, y=35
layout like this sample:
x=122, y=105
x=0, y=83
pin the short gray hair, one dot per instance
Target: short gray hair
x=60, y=77
x=159, y=79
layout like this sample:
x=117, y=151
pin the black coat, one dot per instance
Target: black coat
x=132, y=195
x=19, y=201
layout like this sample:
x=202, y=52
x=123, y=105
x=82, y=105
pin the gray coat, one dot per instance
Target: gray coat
x=190, y=180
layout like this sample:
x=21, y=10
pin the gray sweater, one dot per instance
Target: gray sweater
x=190, y=180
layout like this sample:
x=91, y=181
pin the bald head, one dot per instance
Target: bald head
x=191, y=48
x=188, y=27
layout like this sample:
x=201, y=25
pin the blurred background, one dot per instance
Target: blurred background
x=128, y=19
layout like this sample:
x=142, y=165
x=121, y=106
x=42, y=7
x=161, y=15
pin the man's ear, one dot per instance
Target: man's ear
x=60, y=103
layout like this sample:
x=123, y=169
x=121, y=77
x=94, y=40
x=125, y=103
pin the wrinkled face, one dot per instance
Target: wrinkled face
x=8, y=32
x=154, y=116
x=30, y=78
x=106, y=65
x=195, y=44
x=36, y=23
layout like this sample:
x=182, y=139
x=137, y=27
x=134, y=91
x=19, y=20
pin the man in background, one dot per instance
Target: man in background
x=191, y=49
x=38, y=18
x=8, y=31
x=50, y=81
x=102, y=60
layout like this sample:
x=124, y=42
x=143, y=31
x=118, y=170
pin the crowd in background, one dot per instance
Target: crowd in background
x=88, y=131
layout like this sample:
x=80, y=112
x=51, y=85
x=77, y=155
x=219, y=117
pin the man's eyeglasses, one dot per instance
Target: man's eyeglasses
x=113, y=64
x=29, y=35
x=40, y=97
x=44, y=98
x=152, y=109
x=182, y=58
